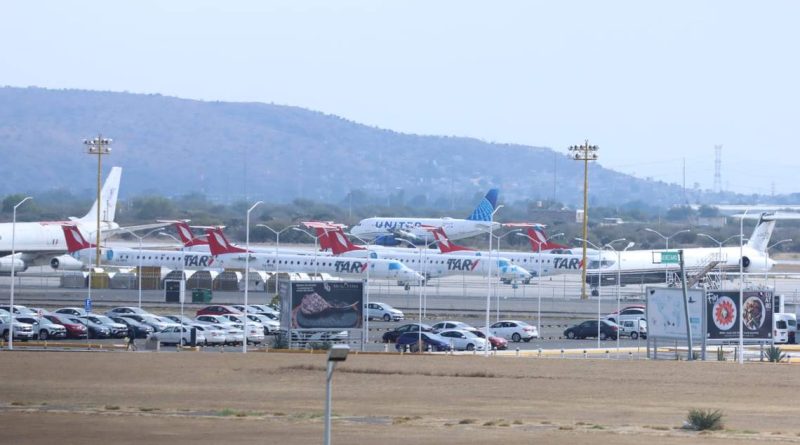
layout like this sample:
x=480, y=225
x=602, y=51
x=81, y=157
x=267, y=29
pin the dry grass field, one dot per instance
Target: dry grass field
x=278, y=398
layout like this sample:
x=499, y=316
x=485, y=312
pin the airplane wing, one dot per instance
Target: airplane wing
x=139, y=228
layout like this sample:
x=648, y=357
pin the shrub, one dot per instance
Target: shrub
x=775, y=355
x=704, y=419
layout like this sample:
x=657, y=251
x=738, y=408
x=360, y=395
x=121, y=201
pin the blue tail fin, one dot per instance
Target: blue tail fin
x=485, y=208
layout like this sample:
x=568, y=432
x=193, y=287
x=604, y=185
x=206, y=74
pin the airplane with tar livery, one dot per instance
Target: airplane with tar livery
x=644, y=266
x=430, y=264
x=384, y=230
x=232, y=257
x=42, y=243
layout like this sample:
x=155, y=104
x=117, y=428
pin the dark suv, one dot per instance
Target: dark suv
x=589, y=329
x=391, y=336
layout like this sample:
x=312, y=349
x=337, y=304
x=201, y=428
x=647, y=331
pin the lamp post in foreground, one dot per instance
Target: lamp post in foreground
x=584, y=153
x=13, y=264
x=666, y=245
x=610, y=245
x=140, y=238
x=489, y=279
x=277, y=246
x=497, y=262
x=247, y=271
x=539, y=276
x=599, y=282
x=337, y=353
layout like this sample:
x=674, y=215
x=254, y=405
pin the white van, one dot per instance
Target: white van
x=633, y=328
x=784, y=328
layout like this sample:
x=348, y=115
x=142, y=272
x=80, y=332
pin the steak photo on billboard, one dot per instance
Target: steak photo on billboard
x=327, y=305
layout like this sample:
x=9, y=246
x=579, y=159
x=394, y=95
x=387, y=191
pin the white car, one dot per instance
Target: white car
x=77, y=311
x=215, y=336
x=628, y=313
x=21, y=331
x=179, y=335
x=514, y=330
x=255, y=330
x=462, y=340
x=44, y=328
x=270, y=326
x=445, y=325
x=154, y=322
x=384, y=312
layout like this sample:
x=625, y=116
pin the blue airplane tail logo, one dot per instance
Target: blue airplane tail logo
x=487, y=205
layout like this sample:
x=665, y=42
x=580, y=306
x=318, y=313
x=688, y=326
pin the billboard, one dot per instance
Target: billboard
x=665, y=316
x=723, y=312
x=322, y=304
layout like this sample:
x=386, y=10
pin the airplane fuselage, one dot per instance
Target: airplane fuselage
x=456, y=228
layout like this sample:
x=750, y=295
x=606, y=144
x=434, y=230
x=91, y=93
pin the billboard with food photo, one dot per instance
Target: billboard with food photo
x=723, y=312
x=326, y=304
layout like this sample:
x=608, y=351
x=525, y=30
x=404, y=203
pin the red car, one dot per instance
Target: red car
x=218, y=310
x=74, y=329
x=498, y=343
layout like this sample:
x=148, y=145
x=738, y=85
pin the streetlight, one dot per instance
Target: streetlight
x=489, y=279
x=140, y=238
x=741, y=286
x=247, y=271
x=766, y=257
x=496, y=293
x=98, y=146
x=316, y=239
x=666, y=247
x=584, y=153
x=13, y=264
x=365, y=335
x=337, y=353
x=421, y=287
x=610, y=245
x=539, y=275
x=182, y=289
x=277, y=246
x=719, y=243
x=599, y=282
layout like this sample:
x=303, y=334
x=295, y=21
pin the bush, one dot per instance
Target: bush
x=280, y=342
x=704, y=419
x=775, y=355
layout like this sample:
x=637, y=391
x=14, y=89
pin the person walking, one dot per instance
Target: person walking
x=131, y=339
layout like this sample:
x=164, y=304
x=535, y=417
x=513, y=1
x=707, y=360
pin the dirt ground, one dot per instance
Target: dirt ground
x=199, y=398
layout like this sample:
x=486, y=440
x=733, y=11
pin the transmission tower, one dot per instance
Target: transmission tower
x=718, y=168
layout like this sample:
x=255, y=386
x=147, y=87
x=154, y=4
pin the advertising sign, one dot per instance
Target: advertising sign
x=326, y=305
x=665, y=316
x=723, y=312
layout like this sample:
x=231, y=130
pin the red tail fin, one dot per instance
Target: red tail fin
x=445, y=245
x=539, y=237
x=338, y=241
x=186, y=235
x=74, y=238
x=218, y=244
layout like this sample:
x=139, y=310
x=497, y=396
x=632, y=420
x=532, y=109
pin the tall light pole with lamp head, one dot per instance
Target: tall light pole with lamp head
x=182, y=289
x=584, y=153
x=247, y=271
x=496, y=293
x=539, y=275
x=337, y=353
x=277, y=246
x=719, y=243
x=599, y=282
x=140, y=238
x=13, y=268
x=98, y=146
x=489, y=279
x=421, y=287
x=610, y=245
x=316, y=248
x=766, y=259
x=741, y=286
x=365, y=335
x=666, y=245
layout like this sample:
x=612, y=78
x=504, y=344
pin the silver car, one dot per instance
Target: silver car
x=43, y=328
x=214, y=336
x=179, y=335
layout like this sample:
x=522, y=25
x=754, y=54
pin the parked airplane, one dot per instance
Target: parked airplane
x=232, y=257
x=42, y=243
x=384, y=230
x=546, y=263
x=640, y=266
x=429, y=263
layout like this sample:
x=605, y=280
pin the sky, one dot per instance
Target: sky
x=653, y=84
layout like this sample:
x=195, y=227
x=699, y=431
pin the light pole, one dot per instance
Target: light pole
x=182, y=289
x=539, y=275
x=277, y=246
x=666, y=245
x=140, y=238
x=610, y=245
x=599, y=282
x=337, y=353
x=489, y=279
x=98, y=146
x=766, y=257
x=584, y=153
x=316, y=239
x=13, y=264
x=247, y=271
x=421, y=287
x=741, y=286
x=365, y=335
x=496, y=293
x=719, y=243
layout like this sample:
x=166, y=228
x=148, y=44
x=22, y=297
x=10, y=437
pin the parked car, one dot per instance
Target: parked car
x=151, y=320
x=495, y=342
x=116, y=330
x=17, y=329
x=77, y=311
x=218, y=320
x=319, y=336
x=391, y=336
x=140, y=330
x=218, y=310
x=430, y=341
x=20, y=310
x=265, y=309
x=126, y=310
x=514, y=330
x=463, y=340
x=634, y=312
x=184, y=320
x=588, y=328
x=214, y=335
x=784, y=328
x=96, y=330
x=43, y=328
x=255, y=330
x=633, y=328
x=179, y=335
x=75, y=328
x=384, y=312
x=444, y=325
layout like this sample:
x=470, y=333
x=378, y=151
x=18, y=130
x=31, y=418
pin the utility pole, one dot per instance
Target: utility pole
x=584, y=153
x=98, y=146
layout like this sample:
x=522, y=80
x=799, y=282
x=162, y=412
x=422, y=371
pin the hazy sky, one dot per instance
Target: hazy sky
x=651, y=83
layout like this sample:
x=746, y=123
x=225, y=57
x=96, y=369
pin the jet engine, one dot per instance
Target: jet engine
x=65, y=262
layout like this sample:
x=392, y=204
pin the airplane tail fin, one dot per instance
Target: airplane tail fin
x=187, y=237
x=338, y=241
x=759, y=240
x=74, y=238
x=444, y=243
x=485, y=208
x=218, y=244
x=108, y=198
x=537, y=237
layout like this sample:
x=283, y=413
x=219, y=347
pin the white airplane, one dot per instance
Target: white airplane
x=546, y=263
x=42, y=243
x=231, y=257
x=383, y=230
x=429, y=263
x=641, y=266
